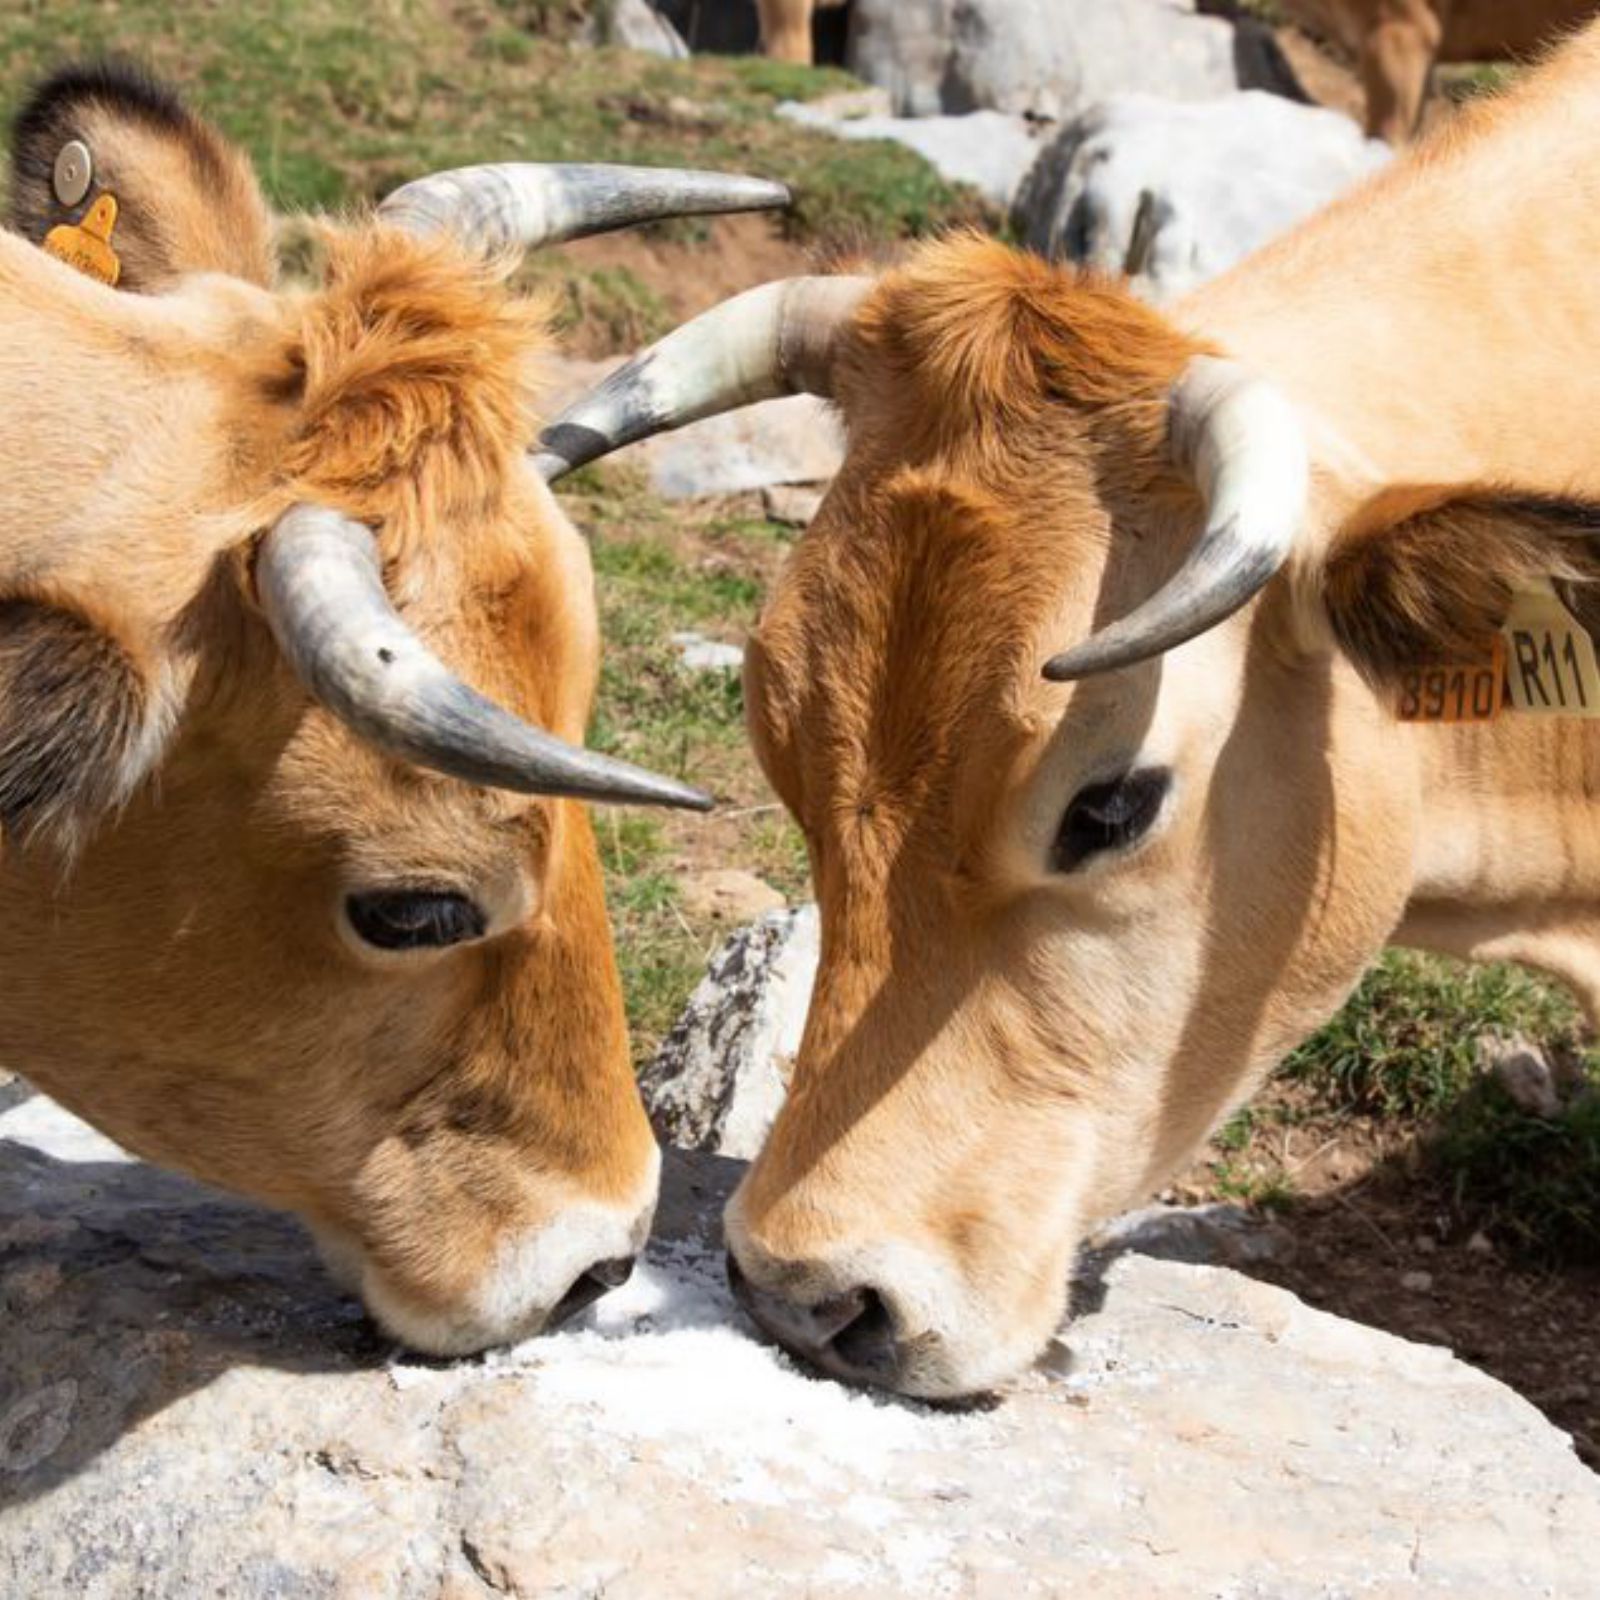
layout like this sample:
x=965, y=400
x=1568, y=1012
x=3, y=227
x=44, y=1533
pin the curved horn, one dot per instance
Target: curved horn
x=762, y=344
x=1243, y=443
x=517, y=203
x=322, y=591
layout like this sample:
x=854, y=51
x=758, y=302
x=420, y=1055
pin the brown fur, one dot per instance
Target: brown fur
x=445, y=1120
x=1427, y=576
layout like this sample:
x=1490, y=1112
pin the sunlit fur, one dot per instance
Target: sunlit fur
x=996, y=1053
x=1396, y=43
x=461, y=1126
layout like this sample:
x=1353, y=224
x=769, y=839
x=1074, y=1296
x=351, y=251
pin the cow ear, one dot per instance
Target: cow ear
x=82, y=723
x=1425, y=577
x=111, y=171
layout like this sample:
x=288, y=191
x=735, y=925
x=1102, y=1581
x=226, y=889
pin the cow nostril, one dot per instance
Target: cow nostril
x=614, y=1273
x=588, y=1287
x=866, y=1344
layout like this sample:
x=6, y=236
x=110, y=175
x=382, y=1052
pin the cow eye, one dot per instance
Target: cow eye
x=414, y=919
x=1109, y=816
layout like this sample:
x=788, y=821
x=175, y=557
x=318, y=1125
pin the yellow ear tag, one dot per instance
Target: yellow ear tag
x=1550, y=660
x=86, y=245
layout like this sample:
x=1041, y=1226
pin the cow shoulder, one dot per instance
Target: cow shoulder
x=172, y=195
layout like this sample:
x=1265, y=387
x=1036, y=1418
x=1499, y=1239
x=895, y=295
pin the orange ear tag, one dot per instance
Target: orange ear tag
x=86, y=245
x=1454, y=691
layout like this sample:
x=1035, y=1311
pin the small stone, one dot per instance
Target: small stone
x=1219, y=1234
x=1480, y=1244
x=847, y=104
x=700, y=654
x=1520, y=1068
x=1417, y=1282
x=729, y=894
x=1425, y=1244
x=791, y=504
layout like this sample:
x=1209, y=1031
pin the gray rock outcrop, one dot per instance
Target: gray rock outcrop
x=1175, y=194
x=188, y=1407
x=719, y=1077
x=990, y=150
x=636, y=25
x=795, y=440
x=1039, y=58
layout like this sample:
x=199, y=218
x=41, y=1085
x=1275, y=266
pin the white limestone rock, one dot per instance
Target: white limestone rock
x=990, y=150
x=719, y=1077
x=1176, y=194
x=188, y=1407
x=636, y=25
x=1038, y=58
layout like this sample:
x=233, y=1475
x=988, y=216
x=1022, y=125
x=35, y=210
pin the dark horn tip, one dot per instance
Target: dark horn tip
x=696, y=800
x=1066, y=668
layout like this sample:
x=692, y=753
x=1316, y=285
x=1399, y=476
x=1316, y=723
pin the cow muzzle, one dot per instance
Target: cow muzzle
x=533, y=1282
x=888, y=1314
x=850, y=1335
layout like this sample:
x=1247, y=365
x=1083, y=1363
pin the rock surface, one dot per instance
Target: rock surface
x=1176, y=194
x=728, y=894
x=700, y=654
x=990, y=150
x=719, y=1077
x=636, y=25
x=1038, y=58
x=790, y=441
x=792, y=506
x=187, y=1407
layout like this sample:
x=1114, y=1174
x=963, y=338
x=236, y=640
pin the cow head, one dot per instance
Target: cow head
x=283, y=901
x=1072, y=906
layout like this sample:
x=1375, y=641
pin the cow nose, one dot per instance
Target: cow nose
x=849, y=1335
x=589, y=1285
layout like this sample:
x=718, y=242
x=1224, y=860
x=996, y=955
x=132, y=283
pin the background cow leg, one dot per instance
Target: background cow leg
x=1396, y=59
x=786, y=29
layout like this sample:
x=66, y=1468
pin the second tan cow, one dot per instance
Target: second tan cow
x=1082, y=686
x=1397, y=43
x=786, y=27
x=284, y=902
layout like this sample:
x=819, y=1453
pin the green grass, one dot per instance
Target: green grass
x=1406, y=1044
x=336, y=104
x=1406, y=1049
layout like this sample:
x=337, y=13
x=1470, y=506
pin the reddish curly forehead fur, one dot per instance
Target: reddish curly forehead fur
x=412, y=369
x=980, y=336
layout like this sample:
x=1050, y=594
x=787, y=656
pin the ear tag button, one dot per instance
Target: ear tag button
x=74, y=172
x=86, y=245
x=1550, y=658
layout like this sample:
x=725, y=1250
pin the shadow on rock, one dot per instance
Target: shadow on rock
x=124, y=1288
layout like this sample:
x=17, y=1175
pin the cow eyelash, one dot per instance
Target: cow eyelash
x=1109, y=816
x=414, y=919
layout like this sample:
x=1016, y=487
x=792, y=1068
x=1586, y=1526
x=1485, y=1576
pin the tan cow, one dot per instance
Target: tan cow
x=1074, y=907
x=253, y=922
x=786, y=27
x=1397, y=43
